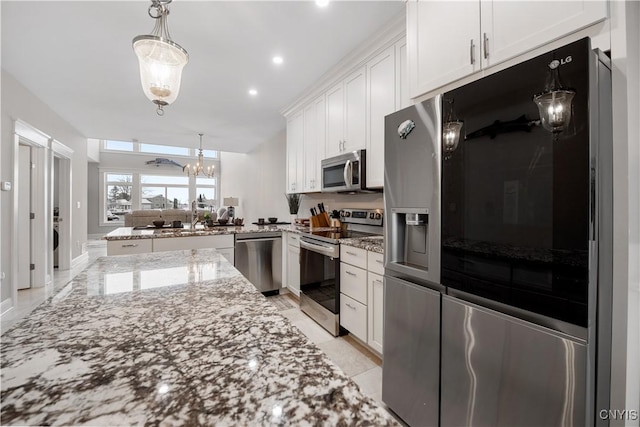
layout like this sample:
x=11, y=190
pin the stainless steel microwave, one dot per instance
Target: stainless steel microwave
x=346, y=172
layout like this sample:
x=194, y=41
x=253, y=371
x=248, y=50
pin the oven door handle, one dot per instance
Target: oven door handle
x=318, y=248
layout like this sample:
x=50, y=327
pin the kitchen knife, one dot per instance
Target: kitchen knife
x=320, y=207
x=311, y=210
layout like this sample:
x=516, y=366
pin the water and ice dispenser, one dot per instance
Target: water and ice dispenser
x=410, y=251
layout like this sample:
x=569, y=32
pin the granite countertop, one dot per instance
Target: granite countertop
x=373, y=243
x=129, y=233
x=170, y=338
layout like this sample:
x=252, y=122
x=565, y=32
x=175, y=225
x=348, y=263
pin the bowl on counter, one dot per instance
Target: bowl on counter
x=223, y=221
x=272, y=220
x=158, y=223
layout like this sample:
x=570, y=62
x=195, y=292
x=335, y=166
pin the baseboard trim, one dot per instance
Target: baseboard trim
x=79, y=260
x=6, y=306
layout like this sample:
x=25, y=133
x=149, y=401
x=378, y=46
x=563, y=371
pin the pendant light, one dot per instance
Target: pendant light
x=450, y=131
x=198, y=168
x=555, y=103
x=161, y=59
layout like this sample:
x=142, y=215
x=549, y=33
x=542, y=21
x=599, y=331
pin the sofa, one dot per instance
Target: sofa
x=143, y=217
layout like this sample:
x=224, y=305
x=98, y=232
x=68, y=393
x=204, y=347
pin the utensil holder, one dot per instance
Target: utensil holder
x=320, y=220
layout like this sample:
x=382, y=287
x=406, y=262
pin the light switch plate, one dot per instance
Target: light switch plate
x=6, y=186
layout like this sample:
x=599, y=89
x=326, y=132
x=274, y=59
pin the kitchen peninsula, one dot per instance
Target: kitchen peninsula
x=170, y=338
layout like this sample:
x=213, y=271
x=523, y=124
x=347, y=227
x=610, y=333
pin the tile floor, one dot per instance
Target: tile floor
x=363, y=366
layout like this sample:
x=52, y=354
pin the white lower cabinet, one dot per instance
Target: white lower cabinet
x=375, y=307
x=293, y=263
x=126, y=247
x=362, y=295
x=193, y=242
x=353, y=317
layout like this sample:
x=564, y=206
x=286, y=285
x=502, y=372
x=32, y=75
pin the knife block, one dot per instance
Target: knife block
x=320, y=220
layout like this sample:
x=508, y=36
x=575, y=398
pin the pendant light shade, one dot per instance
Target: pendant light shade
x=555, y=103
x=161, y=59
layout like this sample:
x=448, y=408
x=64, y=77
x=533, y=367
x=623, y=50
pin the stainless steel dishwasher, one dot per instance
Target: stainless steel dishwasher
x=258, y=256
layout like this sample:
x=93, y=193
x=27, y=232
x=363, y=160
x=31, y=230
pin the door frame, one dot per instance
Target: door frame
x=65, y=156
x=42, y=227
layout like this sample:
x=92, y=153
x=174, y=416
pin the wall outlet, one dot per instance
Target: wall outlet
x=84, y=247
x=6, y=186
x=78, y=205
x=2, y=276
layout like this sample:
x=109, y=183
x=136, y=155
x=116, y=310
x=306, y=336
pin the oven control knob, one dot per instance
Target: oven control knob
x=347, y=214
x=371, y=215
x=378, y=216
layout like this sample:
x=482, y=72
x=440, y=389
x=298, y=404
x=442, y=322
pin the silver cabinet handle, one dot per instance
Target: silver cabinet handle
x=471, y=53
x=350, y=306
x=378, y=261
x=350, y=273
x=377, y=280
x=350, y=253
x=486, y=46
x=131, y=245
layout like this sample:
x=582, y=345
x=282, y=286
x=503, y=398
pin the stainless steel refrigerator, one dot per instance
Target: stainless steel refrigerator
x=498, y=250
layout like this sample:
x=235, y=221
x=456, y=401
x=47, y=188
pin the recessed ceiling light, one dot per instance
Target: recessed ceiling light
x=253, y=92
x=322, y=3
x=277, y=60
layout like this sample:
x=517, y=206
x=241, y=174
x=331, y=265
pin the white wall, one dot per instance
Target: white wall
x=257, y=179
x=19, y=103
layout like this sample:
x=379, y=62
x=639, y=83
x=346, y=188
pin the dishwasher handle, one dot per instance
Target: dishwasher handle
x=265, y=239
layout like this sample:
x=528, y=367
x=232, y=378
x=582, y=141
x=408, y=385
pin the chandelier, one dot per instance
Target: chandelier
x=161, y=59
x=198, y=168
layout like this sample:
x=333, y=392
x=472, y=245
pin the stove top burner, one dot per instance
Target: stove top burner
x=334, y=236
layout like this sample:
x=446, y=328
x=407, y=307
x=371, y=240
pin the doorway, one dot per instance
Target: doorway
x=23, y=189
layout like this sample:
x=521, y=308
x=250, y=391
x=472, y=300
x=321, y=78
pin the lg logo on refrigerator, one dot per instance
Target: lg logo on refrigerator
x=558, y=62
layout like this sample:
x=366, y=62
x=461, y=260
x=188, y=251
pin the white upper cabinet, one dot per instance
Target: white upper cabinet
x=355, y=110
x=381, y=91
x=511, y=28
x=447, y=40
x=346, y=114
x=335, y=120
x=314, y=143
x=295, y=135
x=442, y=41
x=403, y=98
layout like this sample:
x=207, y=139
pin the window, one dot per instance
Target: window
x=209, y=154
x=164, y=192
x=118, y=196
x=118, y=145
x=206, y=191
x=164, y=149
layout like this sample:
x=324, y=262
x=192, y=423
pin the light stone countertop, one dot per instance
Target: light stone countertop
x=170, y=338
x=373, y=243
x=128, y=233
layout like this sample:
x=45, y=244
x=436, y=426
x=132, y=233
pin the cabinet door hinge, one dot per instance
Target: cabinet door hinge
x=32, y=266
x=32, y=215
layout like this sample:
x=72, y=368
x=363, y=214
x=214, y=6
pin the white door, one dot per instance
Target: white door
x=23, y=187
x=443, y=42
x=355, y=108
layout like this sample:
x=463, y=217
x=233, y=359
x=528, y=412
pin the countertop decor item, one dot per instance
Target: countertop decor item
x=231, y=202
x=158, y=223
x=161, y=59
x=223, y=221
x=294, y=202
x=272, y=219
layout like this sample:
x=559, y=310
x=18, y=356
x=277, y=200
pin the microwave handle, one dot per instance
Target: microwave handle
x=345, y=173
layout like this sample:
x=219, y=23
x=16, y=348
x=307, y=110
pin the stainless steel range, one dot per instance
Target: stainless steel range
x=320, y=266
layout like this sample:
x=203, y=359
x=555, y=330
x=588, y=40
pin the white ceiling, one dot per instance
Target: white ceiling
x=76, y=56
